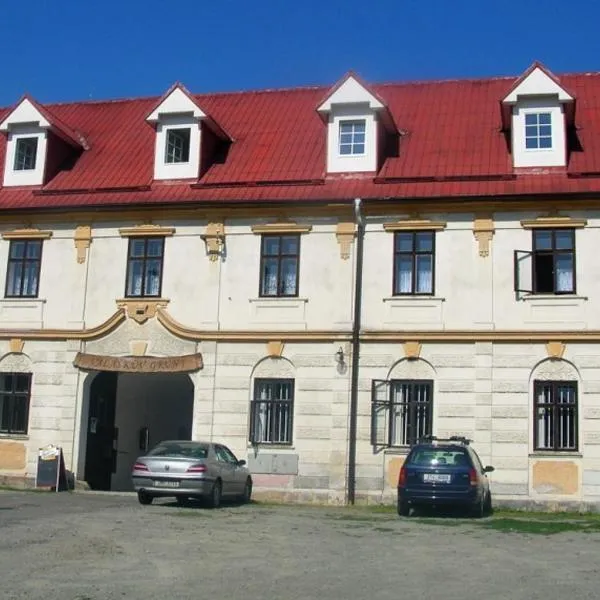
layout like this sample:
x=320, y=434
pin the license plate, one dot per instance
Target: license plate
x=166, y=484
x=436, y=478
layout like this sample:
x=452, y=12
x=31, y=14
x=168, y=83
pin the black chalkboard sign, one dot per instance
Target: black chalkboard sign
x=51, y=472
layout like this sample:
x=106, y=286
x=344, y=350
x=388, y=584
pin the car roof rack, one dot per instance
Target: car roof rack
x=457, y=439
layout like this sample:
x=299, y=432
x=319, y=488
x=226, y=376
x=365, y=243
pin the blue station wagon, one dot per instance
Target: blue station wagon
x=444, y=473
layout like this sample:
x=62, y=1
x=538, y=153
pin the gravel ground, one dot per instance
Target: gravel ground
x=83, y=546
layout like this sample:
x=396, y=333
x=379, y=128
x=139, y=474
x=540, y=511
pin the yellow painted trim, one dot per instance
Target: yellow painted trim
x=27, y=234
x=146, y=230
x=420, y=337
x=281, y=227
x=141, y=309
x=82, y=239
x=345, y=233
x=555, y=349
x=415, y=225
x=214, y=238
x=483, y=230
x=66, y=334
x=553, y=223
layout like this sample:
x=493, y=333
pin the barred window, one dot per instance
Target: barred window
x=271, y=411
x=401, y=412
x=15, y=391
x=555, y=415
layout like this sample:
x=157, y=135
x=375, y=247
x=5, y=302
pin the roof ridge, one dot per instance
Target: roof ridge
x=302, y=88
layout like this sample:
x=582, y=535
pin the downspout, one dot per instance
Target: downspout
x=360, y=232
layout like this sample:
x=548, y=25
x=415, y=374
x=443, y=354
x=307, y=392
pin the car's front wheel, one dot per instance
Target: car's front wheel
x=247, y=495
x=145, y=498
x=478, y=510
x=487, y=507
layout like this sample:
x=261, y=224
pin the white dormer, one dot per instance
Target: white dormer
x=32, y=133
x=177, y=119
x=353, y=127
x=27, y=132
x=536, y=111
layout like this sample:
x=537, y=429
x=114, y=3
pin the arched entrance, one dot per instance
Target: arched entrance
x=128, y=413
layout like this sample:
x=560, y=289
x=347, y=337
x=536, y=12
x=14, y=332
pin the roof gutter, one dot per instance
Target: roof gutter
x=356, y=325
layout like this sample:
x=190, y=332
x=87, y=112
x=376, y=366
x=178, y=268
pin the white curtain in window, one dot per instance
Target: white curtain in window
x=398, y=416
x=564, y=273
x=424, y=275
x=405, y=275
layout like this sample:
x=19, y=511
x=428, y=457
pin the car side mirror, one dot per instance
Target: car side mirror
x=488, y=469
x=241, y=463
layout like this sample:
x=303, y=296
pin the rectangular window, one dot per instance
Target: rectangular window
x=26, y=153
x=23, y=273
x=553, y=261
x=538, y=131
x=15, y=389
x=178, y=145
x=414, y=254
x=401, y=412
x=144, y=267
x=352, y=137
x=279, y=258
x=555, y=415
x=271, y=411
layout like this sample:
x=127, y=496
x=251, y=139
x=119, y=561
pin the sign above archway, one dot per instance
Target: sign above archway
x=139, y=364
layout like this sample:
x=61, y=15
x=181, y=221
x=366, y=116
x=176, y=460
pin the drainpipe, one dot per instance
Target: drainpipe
x=360, y=232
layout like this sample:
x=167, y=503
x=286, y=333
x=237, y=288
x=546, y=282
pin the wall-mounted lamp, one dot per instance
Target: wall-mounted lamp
x=339, y=356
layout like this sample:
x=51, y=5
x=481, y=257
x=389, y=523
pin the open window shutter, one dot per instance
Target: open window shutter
x=523, y=272
x=380, y=412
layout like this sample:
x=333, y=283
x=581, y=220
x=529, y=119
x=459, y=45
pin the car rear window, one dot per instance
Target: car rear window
x=179, y=449
x=433, y=457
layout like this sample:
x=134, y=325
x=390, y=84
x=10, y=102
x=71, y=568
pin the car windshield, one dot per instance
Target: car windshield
x=180, y=449
x=433, y=457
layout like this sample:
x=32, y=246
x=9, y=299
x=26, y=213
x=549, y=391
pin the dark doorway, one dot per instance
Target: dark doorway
x=129, y=413
x=100, y=456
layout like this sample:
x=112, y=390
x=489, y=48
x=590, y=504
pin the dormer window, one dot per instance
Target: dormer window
x=538, y=130
x=25, y=153
x=357, y=124
x=182, y=129
x=33, y=135
x=178, y=145
x=536, y=113
x=352, y=137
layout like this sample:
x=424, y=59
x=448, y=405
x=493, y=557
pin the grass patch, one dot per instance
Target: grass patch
x=546, y=516
x=541, y=526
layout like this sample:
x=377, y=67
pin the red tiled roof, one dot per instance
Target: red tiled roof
x=452, y=145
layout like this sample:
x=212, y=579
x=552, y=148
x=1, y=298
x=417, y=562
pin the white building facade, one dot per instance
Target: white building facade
x=232, y=320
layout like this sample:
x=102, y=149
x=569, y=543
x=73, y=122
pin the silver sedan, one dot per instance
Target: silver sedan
x=185, y=469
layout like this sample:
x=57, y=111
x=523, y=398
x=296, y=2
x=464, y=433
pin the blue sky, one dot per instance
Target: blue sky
x=62, y=50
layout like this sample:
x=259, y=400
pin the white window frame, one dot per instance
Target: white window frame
x=538, y=137
x=353, y=143
x=170, y=130
x=35, y=176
